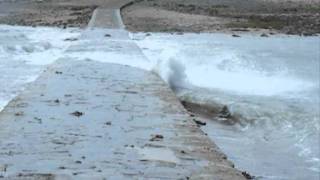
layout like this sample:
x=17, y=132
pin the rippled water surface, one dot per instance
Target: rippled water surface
x=272, y=84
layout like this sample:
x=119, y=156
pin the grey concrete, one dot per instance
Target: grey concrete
x=106, y=18
x=108, y=15
x=85, y=119
x=123, y=108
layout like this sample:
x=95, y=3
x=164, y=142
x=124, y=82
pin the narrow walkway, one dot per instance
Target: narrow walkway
x=106, y=18
x=85, y=119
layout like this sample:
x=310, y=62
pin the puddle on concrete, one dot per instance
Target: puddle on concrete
x=158, y=154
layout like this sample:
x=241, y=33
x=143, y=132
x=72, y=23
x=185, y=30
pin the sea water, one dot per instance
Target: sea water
x=24, y=54
x=271, y=84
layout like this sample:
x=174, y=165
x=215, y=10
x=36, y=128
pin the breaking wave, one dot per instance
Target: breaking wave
x=266, y=88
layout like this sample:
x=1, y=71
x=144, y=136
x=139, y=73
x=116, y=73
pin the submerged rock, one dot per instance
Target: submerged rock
x=199, y=123
x=225, y=113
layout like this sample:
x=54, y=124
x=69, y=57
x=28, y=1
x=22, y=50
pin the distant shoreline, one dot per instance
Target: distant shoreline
x=264, y=17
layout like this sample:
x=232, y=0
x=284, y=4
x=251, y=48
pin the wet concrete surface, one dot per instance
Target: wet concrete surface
x=90, y=119
x=84, y=118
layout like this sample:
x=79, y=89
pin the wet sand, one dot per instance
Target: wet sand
x=43, y=14
x=266, y=16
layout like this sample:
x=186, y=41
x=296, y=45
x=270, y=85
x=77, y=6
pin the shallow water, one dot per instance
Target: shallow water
x=272, y=84
x=24, y=54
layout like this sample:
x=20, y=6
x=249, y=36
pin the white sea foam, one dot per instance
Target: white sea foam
x=211, y=63
x=273, y=83
x=24, y=53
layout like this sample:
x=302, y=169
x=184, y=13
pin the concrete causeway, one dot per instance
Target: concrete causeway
x=87, y=119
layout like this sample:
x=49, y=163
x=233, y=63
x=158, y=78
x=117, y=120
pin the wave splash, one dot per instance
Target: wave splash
x=268, y=89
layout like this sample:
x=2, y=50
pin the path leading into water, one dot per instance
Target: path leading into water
x=85, y=119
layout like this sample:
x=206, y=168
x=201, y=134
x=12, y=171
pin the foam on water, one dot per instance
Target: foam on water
x=24, y=53
x=212, y=62
x=2, y=104
x=272, y=83
x=250, y=83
